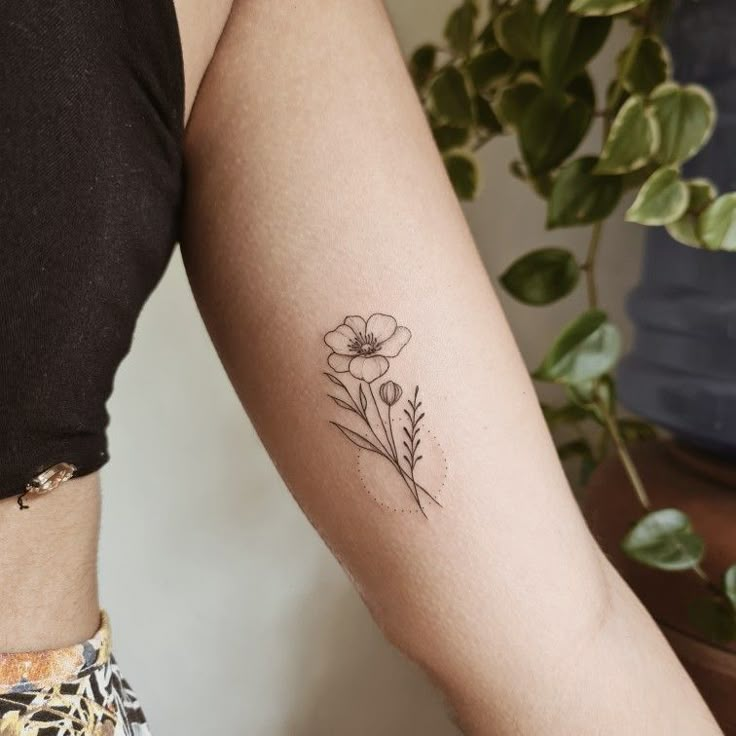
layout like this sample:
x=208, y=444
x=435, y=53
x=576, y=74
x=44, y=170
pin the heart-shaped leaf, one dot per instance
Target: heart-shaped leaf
x=449, y=98
x=632, y=140
x=552, y=127
x=568, y=42
x=460, y=26
x=517, y=30
x=665, y=540
x=686, y=118
x=685, y=230
x=580, y=197
x=587, y=348
x=603, y=7
x=663, y=199
x=464, y=174
x=421, y=64
x=486, y=122
x=513, y=101
x=489, y=68
x=644, y=65
x=450, y=136
x=716, y=227
x=542, y=276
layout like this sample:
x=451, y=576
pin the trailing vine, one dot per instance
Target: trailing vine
x=520, y=67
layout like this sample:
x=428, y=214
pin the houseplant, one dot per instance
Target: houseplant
x=520, y=68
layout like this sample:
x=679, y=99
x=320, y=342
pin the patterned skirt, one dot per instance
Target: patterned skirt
x=73, y=691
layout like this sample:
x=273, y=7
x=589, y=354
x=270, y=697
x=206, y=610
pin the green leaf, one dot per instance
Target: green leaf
x=542, y=276
x=450, y=136
x=449, y=98
x=568, y=42
x=702, y=193
x=648, y=64
x=487, y=36
x=717, y=225
x=551, y=129
x=632, y=140
x=485, y=119
x=460, y=27
x=685, y=230
x=421, y=64
x=517, y=30
x=464, y=174
x=581, y=88
x=513, y=101
x=686, y=118
x=715, y=618
x=579, y=197
x=729, y=584
x=603, y=7
x=663, y=199
x=489, y=68
x=588, y=347
x=665, y=540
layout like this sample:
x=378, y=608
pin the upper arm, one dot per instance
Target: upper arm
x=315, y=193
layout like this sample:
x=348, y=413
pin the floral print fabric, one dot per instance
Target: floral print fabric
x=73, y=691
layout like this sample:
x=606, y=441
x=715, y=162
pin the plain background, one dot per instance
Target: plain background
x=228, y=613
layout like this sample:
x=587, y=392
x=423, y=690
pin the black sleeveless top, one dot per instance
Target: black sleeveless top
x=91, y=123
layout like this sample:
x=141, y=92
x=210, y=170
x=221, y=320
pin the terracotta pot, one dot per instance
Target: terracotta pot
x=704, y=488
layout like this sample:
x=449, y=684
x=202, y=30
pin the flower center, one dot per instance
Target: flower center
x=364, y=344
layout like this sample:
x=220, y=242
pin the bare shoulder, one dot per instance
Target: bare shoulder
x=200, y=27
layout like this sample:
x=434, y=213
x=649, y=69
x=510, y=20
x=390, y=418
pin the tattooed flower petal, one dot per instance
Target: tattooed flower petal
x=356, y=324
x=339, y=363
x=377, y=337
x=381, y=326
x=368, y=368
x=340, y=339
x=395, y=344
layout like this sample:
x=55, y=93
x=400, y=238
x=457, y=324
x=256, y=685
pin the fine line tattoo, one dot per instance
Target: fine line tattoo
x=362, y=349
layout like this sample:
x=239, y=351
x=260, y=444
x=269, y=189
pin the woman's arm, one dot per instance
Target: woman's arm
x=315, y=195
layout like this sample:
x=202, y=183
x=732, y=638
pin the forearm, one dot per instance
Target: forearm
x=316, y=194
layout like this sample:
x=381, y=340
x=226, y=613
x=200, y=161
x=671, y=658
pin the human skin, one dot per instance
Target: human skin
x=315, y=192
x=48, y=553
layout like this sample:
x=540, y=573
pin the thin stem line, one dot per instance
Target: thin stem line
x=588, y=267
x=626, y=460
x=391, y=433
x=380, y=419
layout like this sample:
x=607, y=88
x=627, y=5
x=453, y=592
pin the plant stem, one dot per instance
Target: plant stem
x=590, y=262
x=380, y=419
x=623, y=453
x=391, y=434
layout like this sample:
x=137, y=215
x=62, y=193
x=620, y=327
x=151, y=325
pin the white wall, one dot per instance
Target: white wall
x=229, y=615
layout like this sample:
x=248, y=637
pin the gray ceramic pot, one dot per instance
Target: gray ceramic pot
x=681, y=373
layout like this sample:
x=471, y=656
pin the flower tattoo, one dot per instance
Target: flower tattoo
x=363, y=349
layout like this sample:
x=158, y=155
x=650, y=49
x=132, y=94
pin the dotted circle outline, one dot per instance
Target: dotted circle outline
x=388, y=507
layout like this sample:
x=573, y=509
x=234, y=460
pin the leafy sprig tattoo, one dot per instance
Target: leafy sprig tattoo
x=362, y=349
